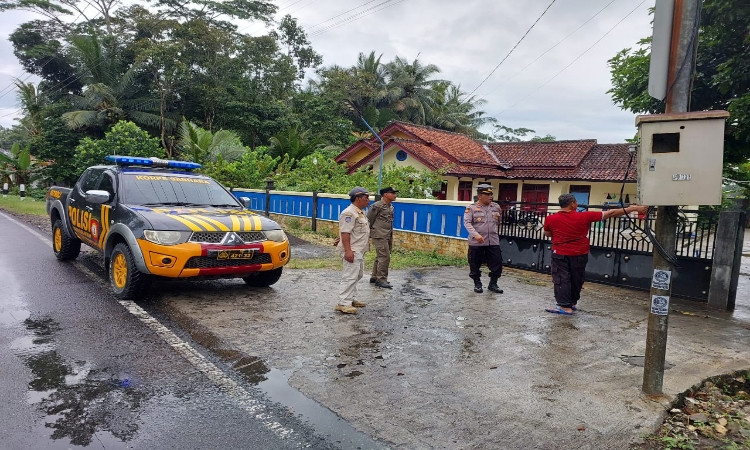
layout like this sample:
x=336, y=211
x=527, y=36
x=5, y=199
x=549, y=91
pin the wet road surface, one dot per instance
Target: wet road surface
x=432, y=365
x=80, y=369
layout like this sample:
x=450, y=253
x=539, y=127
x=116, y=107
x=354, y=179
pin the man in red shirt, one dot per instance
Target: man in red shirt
x=569, y=230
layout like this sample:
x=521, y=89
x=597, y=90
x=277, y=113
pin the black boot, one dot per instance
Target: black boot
x=478, y=287
x=493, y=286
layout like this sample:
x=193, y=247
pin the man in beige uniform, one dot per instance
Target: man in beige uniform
x=380, y=216
x=481, y=220
x=354, y=233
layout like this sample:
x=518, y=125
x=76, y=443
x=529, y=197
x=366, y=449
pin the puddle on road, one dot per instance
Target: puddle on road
x=82, y=405
x=275, y=386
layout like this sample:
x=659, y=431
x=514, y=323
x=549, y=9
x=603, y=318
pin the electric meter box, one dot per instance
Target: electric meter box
x=680, y=158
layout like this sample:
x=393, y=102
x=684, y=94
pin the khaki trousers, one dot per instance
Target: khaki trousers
x=351, y=273
x=382, y=259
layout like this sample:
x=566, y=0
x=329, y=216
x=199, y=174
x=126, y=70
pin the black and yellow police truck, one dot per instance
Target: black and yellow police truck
x=151, y=217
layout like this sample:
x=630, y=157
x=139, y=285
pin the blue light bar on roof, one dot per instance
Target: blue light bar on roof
x=154, y=162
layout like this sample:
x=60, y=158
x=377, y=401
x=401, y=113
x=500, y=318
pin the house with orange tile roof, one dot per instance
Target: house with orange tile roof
x=529, y=172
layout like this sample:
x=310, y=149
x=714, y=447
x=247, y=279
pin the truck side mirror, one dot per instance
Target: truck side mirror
x=95, y=196
x=245, y=202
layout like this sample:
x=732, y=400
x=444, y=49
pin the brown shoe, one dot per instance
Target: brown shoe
x=358, y=304
x=346, y=309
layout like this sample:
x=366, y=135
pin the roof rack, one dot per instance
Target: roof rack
x=152, y=162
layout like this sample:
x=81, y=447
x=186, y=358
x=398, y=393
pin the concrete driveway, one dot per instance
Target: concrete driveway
x=432, y=365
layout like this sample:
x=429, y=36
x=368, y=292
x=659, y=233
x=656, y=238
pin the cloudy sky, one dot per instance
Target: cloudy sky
x=561, y=91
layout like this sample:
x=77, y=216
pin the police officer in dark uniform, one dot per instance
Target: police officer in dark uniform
x=481, y=220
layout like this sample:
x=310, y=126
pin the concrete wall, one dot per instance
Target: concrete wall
x=421, y=242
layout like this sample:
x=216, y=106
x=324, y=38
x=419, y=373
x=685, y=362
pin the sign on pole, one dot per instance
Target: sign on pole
x=661, y=42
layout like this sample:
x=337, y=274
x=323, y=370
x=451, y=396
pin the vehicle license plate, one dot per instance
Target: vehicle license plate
x=232, y=254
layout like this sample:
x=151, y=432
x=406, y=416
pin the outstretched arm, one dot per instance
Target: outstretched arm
x=617, y=212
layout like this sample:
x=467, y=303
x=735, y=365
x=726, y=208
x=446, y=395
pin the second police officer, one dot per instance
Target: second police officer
x=481, y=220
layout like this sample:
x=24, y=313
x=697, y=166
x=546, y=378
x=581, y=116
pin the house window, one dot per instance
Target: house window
x=535, y=197
x=464, y=190
x=401, y=155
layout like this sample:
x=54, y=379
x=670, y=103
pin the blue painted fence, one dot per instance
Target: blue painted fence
x=414, y=216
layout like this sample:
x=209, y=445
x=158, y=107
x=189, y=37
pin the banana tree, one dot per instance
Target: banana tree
x=20, y=167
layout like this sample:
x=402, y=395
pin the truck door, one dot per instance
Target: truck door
x=85, y=218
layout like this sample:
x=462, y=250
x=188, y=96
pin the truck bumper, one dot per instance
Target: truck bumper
x=198, y=260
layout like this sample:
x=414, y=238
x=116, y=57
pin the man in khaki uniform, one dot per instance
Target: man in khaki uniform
x=354, y=234
x=380, y=216
x=481, y=220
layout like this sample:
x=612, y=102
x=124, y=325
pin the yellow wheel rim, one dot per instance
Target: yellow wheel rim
x=58, y=239
x=119, y=271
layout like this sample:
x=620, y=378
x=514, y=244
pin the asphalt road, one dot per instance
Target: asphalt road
x=80, y=368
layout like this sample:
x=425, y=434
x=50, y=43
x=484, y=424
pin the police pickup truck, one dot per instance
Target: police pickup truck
x=150, y=217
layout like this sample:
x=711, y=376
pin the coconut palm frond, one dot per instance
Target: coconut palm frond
x=148, y=119
x=80, y=119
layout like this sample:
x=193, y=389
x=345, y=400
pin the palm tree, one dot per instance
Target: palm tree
x=414, y=88
x=109, y=94
x=32, y=106
x=203, y=146
x=293, y=144
x=453, y=111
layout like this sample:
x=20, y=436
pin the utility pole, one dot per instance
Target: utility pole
x=682, y=52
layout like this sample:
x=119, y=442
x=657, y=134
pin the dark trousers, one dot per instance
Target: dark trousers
x=489, y=254
x=568, y=274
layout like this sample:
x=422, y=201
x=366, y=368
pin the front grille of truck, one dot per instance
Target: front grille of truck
x=205, y=262
x=215, y=237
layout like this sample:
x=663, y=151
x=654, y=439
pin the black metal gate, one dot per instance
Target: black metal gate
x=621, y=250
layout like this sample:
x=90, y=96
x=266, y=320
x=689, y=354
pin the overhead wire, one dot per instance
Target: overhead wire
x=514, y=47
x=572, y=62
x=360, y=15
x=339, y=15
x=552, y=48
x=28, y=75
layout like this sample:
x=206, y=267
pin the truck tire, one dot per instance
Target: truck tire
x=264, y=279
x=65, y=247
x=126, y=280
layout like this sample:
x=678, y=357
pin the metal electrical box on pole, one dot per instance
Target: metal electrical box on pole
x=680, y=158
x=683, y=44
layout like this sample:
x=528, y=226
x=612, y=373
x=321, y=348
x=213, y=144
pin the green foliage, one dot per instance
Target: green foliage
x=503, y=133
x=407, y=259
x=57, y=143
x=112, y=93
x=125, y=139
x=202, y=146
x=411, y=182
x=293, y=224
x=20, y=167
x=294, y=144
x=318, y=172
x=678, y=442
x=721, y=79
x=249, y=172
x=14, y=204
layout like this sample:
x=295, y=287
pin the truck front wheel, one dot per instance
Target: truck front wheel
x=127, y=282
x=65, y=247
x=264, y=279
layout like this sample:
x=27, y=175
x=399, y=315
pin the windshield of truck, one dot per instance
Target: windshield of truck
x=150, y=189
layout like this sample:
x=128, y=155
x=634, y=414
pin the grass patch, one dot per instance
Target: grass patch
x=315, y=263
x=400, y=259
x=27, y=206
x=407, y=259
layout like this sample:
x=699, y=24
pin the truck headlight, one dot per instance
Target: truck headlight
x=166, y=237
x=275, y=235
